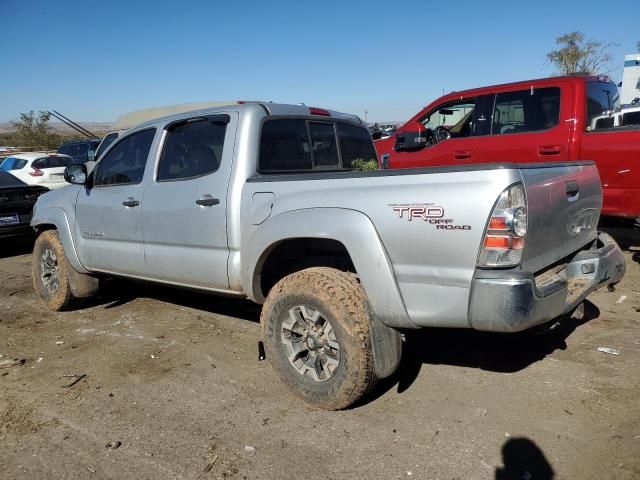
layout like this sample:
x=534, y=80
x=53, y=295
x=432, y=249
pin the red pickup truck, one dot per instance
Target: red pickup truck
x=551, y=119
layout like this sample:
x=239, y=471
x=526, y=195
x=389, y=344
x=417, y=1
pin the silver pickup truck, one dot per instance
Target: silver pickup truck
x=261, y=200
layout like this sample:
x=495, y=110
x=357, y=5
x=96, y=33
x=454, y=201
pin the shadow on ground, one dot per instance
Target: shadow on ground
x=523, y=459
x=627, y=236
x=118, y=292
x=496, y=352
x=14, y=246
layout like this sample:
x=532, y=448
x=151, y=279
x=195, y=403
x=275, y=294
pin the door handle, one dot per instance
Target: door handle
x=131, y=202
x=572, y=189
x=462, y=154
x=550, y=149
x=207, y=201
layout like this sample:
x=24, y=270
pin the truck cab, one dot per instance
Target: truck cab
x=545, y=120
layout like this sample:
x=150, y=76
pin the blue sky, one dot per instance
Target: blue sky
x=94, y=61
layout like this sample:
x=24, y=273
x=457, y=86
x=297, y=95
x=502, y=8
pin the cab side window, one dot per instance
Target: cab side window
x=192, y=149
x=124, y=164
x=602, y=101
x=530, y=110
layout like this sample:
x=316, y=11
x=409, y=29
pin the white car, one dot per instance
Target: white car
x=38, y=168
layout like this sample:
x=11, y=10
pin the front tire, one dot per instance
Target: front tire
x=316, y=334
x=50, y=272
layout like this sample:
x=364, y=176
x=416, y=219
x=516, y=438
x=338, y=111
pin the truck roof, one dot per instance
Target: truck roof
x=269, y=108
x=534, y=82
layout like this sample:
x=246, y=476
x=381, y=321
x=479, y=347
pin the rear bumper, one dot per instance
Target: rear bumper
x=511, y=301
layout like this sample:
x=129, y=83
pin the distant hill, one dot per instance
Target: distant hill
x=94, y=127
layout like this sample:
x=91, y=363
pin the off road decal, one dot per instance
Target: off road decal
x=427, y=212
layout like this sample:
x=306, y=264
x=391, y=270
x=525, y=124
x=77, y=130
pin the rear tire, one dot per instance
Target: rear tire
x=316, y=334
x=51, y=271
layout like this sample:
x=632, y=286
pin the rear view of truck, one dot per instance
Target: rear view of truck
x=542, y=254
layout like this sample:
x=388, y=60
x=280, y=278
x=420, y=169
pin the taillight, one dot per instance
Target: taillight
x=36, y=172
x=504, y=239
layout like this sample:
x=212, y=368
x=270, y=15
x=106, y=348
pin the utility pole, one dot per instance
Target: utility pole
x=365, y=116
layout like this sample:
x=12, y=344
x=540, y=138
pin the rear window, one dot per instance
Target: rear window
x=602, y=99
x=56, y=162
x=288, y=145
x=12, y=163
x=529, y=110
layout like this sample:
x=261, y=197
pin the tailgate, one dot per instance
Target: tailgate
x=564, y=202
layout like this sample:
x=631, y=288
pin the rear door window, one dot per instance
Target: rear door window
x=192, y=150
x=530, y=110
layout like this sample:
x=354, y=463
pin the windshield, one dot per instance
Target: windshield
x=12, y=163
x=106, y=141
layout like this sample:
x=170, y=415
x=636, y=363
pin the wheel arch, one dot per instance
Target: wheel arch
x=55, y=218
x=350, y=234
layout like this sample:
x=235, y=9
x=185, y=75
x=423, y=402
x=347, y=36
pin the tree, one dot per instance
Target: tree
x=33, y=130
x=579, y=55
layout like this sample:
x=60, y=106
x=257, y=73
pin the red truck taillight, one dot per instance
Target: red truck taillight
x=504, y=237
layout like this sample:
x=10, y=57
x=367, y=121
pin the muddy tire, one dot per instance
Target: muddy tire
x=316, y=334
x=50, y=272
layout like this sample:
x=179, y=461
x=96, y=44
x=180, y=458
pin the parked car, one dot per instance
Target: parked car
x=81, y=151
x=16, y=205
x=261, y=201
x=38, y=168
x=532, y=121
x=624, y=116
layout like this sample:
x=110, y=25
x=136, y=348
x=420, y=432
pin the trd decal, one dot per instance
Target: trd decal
x=424, y=212
x=427, y=212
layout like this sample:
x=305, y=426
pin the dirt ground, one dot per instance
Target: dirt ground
x=174, y=377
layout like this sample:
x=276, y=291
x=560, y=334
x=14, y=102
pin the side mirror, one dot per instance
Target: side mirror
x=412, y=140
x=76, y=173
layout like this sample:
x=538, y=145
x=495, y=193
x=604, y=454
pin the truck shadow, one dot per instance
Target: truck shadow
x=12, y=247
x=627, y=237
x=495, y=352
x=118, y=292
